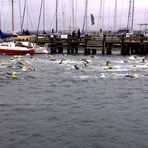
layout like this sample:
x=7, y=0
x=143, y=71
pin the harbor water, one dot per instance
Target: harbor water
x=74, y=101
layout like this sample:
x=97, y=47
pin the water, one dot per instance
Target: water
x=58, y=106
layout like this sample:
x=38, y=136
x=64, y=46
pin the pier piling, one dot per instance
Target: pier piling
x=103, y=44
x=109, y=49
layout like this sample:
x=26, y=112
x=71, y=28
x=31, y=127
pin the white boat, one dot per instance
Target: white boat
x=38, y=49
x=41, y=49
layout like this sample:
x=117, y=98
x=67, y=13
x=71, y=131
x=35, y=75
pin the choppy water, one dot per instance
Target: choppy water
x=58, y=106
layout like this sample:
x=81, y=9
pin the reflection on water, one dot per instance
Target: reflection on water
x=96, y=105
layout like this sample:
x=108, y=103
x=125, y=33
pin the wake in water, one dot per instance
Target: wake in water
x=77, y=67
x=15, y=67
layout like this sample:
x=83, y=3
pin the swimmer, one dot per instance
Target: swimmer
x=61, y=62
x=85, y=60
x=11, y=75
x=134, y=76
x=128, y=76
x=125, y=61
x=143, y=60
x=85, y=64
x=76, y=67
x=108, y=63
x=11, y=60
x=52, y=58
x=28, y=69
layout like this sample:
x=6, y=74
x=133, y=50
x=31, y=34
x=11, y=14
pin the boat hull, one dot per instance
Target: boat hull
x=41, y=50
x=16, y=52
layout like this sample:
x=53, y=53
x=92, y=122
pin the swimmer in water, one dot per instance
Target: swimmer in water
x=85, y=64
x=108, y=63
x=11, y=75
x=61, y=62
x=85, y=60
x=76, y=67
x=51, y=58
x=143, y=60
x=131, y=76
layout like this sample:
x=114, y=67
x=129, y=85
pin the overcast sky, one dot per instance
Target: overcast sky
x=65, y=14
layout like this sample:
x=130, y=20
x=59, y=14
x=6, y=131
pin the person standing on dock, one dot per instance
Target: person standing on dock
x=74, y=37
x=79, y=34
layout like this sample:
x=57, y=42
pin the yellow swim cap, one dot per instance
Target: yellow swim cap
x=14, y=73
x=14, y=76
x=135, y=75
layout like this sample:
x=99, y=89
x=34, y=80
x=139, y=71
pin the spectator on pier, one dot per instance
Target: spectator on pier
x=52, y=30
x=25, y=32
x=44, y=32
x=74, y=37
x=79, y=34
x=73, y=33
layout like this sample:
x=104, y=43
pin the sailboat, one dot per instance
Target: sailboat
x=10, y=48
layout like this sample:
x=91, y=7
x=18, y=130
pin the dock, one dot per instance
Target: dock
x=92, y=45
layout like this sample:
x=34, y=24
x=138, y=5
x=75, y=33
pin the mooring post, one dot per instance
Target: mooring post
x=123, y=44
x=72, y=47
x=132, y=48
x=103, y=44
x=69, y=44
x=94, y=51
x=76, y=47
x=85, y=46
x=109, y=49
x=52, y=46
x=60, y=47
x=142, y=44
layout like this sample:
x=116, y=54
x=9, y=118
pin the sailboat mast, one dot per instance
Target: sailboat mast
x=40, y=16
x=12, y=3
x=43, y=15
x=0, y=21
x=103, y=15
x=115, y=17
x=76, y=7
x=20, y=13
x=73, y=14
x=22, y=23
x=27, y=14
x=133, y=10
x=129, y=15
x=86, y=13
x=85, y=17
x=56, y=15
x=100, y=17
x=63, y=15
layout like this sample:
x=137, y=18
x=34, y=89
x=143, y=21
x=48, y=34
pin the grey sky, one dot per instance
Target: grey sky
x=65, y=14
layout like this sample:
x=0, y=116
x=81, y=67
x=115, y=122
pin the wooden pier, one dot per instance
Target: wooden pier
x=91, y=45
